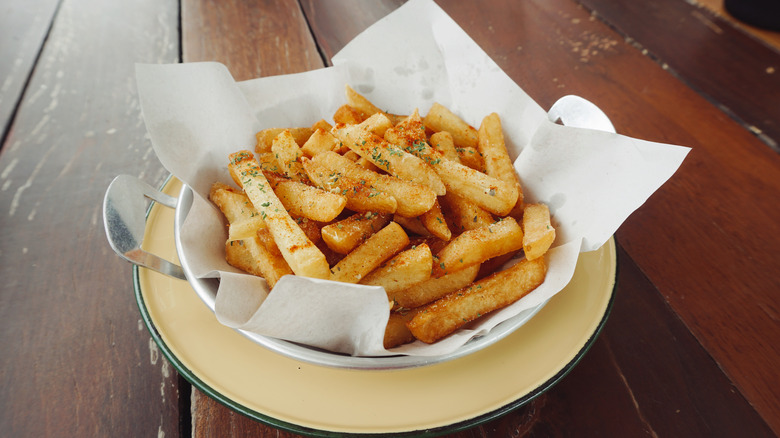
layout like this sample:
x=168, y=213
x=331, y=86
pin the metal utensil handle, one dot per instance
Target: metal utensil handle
x=124, y=219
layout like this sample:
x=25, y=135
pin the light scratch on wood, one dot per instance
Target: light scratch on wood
x=154, y=353
x=9, y=168
x=28, y=183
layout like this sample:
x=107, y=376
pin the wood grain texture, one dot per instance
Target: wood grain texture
x=743, y=73
x=77, y=360
x=253, y=39
x=23, y=29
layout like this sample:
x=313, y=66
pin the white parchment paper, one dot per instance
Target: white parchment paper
x=196, y=115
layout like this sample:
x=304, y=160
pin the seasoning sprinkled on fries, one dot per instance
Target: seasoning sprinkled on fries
x=430, y=208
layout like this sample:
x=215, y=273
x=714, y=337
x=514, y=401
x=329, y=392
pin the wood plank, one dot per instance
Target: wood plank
x=335, y=23
x=23, y=29
x=254, y=39
x=77, y=360
x=738, y=73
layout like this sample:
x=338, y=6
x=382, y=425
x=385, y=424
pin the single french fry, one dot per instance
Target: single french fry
x=378, y=124
x=302, y=200
x=432, y=289
x=301, y=254
x=348, y=115
x=360, y=195
x=412, y=224
x=413, y=199
x=539, y=234
x=265, y=137
x=288, y=155
x=251, y=256
x=243, y=219
x=463, y=215
x=492, y=147
x=374, y=251
x=433, y=221
x=444, y=316
x=471, y=157
x=321, y=124
x=389, y=158
x=440, y=118
x=320, y=141
x=408, y=268
x=359, y=102
x=345, y=235
x=396, y=332
x=491, y=194
x=477, y=245
x=443, y=143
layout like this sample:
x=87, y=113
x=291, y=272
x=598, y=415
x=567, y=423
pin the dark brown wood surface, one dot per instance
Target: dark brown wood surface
x=690, y=348
x=76, y=359
x=23, y=29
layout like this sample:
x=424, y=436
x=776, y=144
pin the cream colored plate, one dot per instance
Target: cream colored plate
x=323, y=401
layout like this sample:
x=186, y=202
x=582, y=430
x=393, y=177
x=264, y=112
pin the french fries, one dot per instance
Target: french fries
x=539, y=233
x=478, y=245
x=370, y=254
x=301, y=254
x=455, y=310
x=405, y=270
x=429, y=208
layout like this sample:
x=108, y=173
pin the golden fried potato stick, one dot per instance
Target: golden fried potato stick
x=432, y=289
x=304, y=258
x=251, y=256
x=406, y=269
x=243, y=219
x=463, y=215
x=433, y=221
x=361, y=196
x=390, y=158
x=412, y=224
x=360, y=103
x=492, y=147
x=413, y=199
x=443, y=143
x=396, y=332
x=455, y=310
x=378, y=124
x=477, y=245
x=266, y=137
x=539, y=234
x=321, y=124
x=440, y=118
x=470, y=157
x=287, y=154
x=345, y=235
x=374, y=251
x=348, y=115
x=302, y=200
x=320, y=141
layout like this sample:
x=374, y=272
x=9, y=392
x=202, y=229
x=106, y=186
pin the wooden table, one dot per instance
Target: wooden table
x=691, y=345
